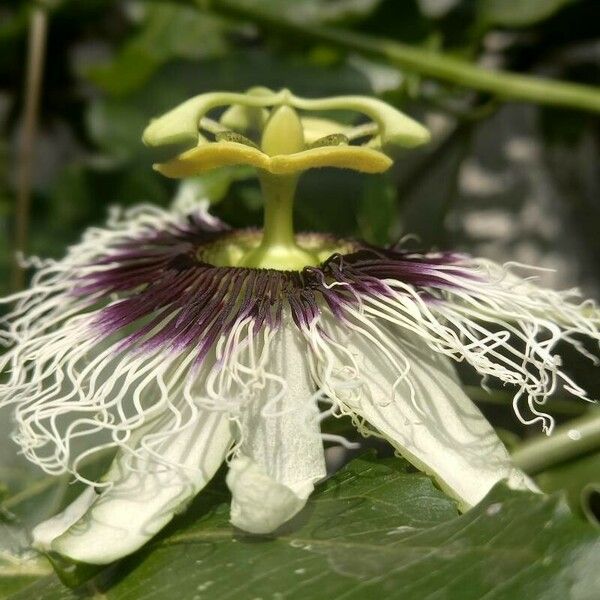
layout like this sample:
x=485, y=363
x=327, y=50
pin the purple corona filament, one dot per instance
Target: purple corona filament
x=193, y=303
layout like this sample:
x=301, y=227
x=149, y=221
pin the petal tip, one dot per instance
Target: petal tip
x=259, y=504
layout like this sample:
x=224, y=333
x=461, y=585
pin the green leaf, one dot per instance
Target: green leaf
x=377, y=210
x=518, y=13
x=168, y=31
x=375, y=529
x=578, y=478
x=19, y=566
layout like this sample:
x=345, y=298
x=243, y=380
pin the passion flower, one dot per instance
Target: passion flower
x=184, y=343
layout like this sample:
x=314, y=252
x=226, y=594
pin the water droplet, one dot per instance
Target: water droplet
x=204, y=586
x=401, y=529
x=493, y=509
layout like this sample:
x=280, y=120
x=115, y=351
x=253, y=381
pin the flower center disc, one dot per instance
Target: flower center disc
x=233, y=249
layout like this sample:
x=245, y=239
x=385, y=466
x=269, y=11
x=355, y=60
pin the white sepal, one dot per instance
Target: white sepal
x=409, y=394
x=47, y=531
x=148, y=489
x=280, y=439
x=259, y=504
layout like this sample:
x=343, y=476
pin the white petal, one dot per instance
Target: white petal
x=259, y=504
x=44, y=533
x=410, y=395
x=146, y=493
x=281, y=447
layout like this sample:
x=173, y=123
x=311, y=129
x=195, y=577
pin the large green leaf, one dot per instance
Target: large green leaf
x=375, y=529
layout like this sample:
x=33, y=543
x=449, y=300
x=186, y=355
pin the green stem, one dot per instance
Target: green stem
x=36, y=54
x=556, y=406
x=278, y=194
x=502, y=84
x=278, y=248
x=577, y=437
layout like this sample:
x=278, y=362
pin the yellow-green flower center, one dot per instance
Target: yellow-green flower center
x=232, y=250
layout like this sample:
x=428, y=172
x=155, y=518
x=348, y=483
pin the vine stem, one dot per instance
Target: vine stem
x=575, y=438
x=502, y=84
x=36, y=52
x=497, y=397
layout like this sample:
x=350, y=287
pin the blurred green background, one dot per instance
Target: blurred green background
x=507, y=180
x=511, y=174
